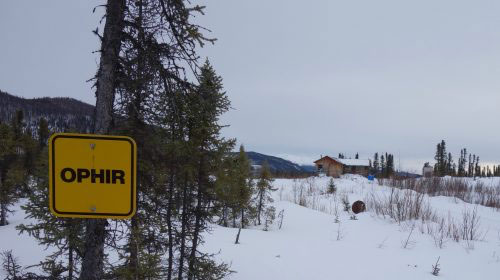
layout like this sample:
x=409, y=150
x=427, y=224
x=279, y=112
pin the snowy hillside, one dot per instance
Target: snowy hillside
x=322, y=241
x=311, y=245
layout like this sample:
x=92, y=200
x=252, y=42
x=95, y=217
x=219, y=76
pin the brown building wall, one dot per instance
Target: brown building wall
x=360, y=170
x=335, y=169
x=330, y=167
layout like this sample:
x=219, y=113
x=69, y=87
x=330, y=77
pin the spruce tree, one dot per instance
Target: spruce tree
x=462, y=163
x=43, y=132
x=17, y=152
x=206, y=105
x=477, y=168
x=389, y=170
x=65, y=234
x=440, y=168
x=375, y=164
x=244, y=185
x=383, y=166
x=263, y=191
x=234, y=189
x=470, y=169
x=10, y=171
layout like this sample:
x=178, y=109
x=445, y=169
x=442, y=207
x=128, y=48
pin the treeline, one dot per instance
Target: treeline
x=468, y=164
x=383, y=166
x=19, y=153
x=61, y=114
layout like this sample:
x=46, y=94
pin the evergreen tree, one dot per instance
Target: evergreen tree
x=389, y=165
x=43, y=132
x=16, y=152
x=375, y=164
x=462, y=162
x=8, y=158
x=234, y=189
x=440, y=168
x=477, y=168
x=205, y=106
x=331, y=187
x=65, y=234
x=264, y=189
x=470, y=171
x=383, y=166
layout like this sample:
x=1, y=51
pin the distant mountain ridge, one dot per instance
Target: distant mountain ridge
x=67, y=114
x=62, y=113
x=279, y=165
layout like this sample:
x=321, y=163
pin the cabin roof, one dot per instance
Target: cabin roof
x=354, y=162
x=347, y=161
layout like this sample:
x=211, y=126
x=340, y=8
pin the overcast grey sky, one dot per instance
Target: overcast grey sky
x=306, y=77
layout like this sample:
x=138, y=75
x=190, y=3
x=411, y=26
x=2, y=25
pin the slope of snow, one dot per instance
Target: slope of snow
x=310, y=245
x=22, y=245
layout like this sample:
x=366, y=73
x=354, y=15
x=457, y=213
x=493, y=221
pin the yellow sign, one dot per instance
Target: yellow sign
x=92, y=176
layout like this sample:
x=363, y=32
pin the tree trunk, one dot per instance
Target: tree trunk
x=133, y=257
x=259, y=206
x=70, y=261
x=238, y=237
x=183, y=236
x=234, y=216
x=198, y=220
x=242, y=218
x=170, y=229
x=93, y=259
x=224, y=216
x=3, y=214
x=3, y=207
x=106, y=76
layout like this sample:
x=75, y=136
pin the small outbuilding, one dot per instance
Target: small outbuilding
x=334, y=167
x=427, y=170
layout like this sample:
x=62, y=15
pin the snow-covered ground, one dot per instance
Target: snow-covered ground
x=312, y=245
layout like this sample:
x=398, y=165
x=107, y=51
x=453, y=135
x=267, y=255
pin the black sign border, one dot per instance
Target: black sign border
x=132, y=181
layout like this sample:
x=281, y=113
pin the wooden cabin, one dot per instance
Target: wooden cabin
x=334, y=167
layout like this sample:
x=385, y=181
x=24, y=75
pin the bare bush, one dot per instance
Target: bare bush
x=472, y=192
x=407, y=205
x=269, y=216
x=408, y=242
x=299, y=195
x=382, y=245
x=281, y=216
x=439, y=233
x=400, y=205
x=339, y=232
x=470, y=225
x=346, y=203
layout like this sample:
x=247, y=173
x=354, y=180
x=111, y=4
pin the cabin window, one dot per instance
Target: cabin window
x=320, y=166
